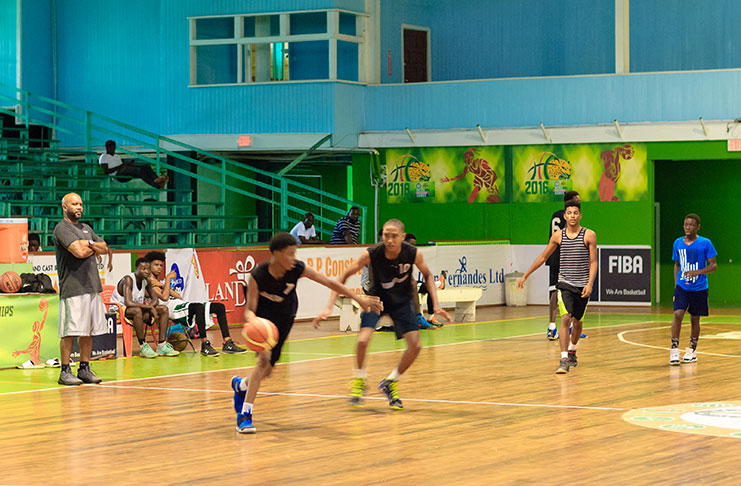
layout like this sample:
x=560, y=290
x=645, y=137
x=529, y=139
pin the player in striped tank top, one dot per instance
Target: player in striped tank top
x=577, y=272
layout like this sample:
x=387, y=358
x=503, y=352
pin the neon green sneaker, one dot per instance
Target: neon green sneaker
x=146, y=351
x=166, y=349
x=390, y=389
x=357, y=387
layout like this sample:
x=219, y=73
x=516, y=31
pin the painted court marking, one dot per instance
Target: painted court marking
x=622, y=338
x=343, y=397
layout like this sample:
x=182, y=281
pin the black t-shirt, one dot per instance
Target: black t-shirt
x=558, y=222
x=278, y=301
x=391, y=280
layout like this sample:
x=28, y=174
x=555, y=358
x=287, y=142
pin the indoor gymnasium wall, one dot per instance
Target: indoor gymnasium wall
x=8, y=42
x=684, y=35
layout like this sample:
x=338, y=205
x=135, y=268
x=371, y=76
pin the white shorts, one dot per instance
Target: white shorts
x=177, y=308
x=82, y=315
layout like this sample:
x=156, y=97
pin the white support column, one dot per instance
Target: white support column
x=622, y=36
x=238, y=33
x=193, y=54
x=369, y=51
x=262, y=51
x=333, y=22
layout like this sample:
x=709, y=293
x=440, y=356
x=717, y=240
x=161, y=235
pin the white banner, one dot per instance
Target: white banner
x=189, y=281
x=47, y=263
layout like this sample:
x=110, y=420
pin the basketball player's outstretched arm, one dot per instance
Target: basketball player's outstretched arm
x=552, y=245
x=419, y=261
x=368, y=303
x=590, y=239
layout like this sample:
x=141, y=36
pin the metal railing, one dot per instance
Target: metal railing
x=87, y=131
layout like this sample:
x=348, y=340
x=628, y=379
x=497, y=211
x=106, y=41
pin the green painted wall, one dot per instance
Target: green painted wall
x=696, y=185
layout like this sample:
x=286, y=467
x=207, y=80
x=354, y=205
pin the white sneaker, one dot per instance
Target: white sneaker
x=674, y=357
x=690, y=356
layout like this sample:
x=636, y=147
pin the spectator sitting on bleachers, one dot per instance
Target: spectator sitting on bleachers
x=305, y=231
x=34, y=242
x=347, y=229
x=124, y=171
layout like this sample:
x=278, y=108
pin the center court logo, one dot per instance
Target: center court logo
x=720, y=419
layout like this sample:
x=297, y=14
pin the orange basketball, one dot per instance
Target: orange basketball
x=10, y=282
x=262, y=335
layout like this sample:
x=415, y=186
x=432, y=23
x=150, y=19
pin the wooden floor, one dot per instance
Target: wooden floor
x=478, y=410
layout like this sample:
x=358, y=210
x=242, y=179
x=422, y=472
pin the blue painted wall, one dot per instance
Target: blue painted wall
x=394, y=13
x=555, y=101
x=674, y=35
x=37, y=44
x=8, y=44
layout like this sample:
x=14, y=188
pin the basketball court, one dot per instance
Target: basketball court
x=482, y=403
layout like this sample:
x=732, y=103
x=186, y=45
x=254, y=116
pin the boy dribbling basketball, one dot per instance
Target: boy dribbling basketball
x=271, y=294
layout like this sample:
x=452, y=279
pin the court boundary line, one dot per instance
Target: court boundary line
x=626, y=341
x=316, y=359
x=406, y=399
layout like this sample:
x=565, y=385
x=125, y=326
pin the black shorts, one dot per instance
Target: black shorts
x=696, y=302
x=570, y=301
x=284, y=327
x=404, y=317
x=553, y=278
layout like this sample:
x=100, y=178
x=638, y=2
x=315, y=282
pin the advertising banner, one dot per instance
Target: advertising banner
x=104, y=345
x=599, y=172
x=30, y=324
x=225, y=277
x=625, y=275
x=47, y=263
x=189, y=280
x=445, y=174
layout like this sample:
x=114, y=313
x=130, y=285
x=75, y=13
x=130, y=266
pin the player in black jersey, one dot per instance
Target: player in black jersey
x=558, y=222
x=271, y=294
x=391, y=280
x=577, y=272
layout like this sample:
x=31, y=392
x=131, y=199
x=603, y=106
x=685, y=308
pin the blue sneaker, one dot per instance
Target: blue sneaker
x=238, y=394
x=552, y=334
x=244, y=423
x=422, y=322
x=580, y=337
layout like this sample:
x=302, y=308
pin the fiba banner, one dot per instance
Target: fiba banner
x=225, y=277
x=445, y=174
x=30, y=323
x=47, y=263
x=625, y=275
x=599, y=172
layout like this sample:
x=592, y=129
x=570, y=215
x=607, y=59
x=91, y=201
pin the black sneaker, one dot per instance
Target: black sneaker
x=390, y=388
x=87, y=376
x=563, y=366
x=572, y=359
x=230, y=347
x=208, y=350
x=67, y=378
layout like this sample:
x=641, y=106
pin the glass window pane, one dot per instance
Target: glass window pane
x=216, y=64
x=347, y=24
x=308, y=23
x=309, y=60
x=262, y=26
x=216, y=28
x=347, y=61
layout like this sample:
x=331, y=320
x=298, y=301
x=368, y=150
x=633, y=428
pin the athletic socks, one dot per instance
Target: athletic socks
x=360, y=373
x=141, y=341
x=247, y=407
x=67, y=368
x=564, y=354
x=395, y=375
x=552, y=326
x=84, y=365
x=242, y=385
x=675, y=342
x=572, y=347
x=693, y=343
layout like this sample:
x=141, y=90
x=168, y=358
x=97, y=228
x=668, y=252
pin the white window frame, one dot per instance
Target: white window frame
x=429, y=50
x=332, y=35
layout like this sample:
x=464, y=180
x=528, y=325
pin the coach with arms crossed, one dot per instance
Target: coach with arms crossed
x=81, y=310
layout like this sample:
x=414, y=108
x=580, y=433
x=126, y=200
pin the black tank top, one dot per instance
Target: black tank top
x=391, y=280
x=278, y=301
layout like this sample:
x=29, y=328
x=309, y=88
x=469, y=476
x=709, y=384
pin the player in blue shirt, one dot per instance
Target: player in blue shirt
x=694, y=258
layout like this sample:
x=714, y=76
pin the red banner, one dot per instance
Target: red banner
x=225, y=274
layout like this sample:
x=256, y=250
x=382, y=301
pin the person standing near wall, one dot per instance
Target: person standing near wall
x=558, y=223
x=694, y=258
x=81, y=310
x=577, y=272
